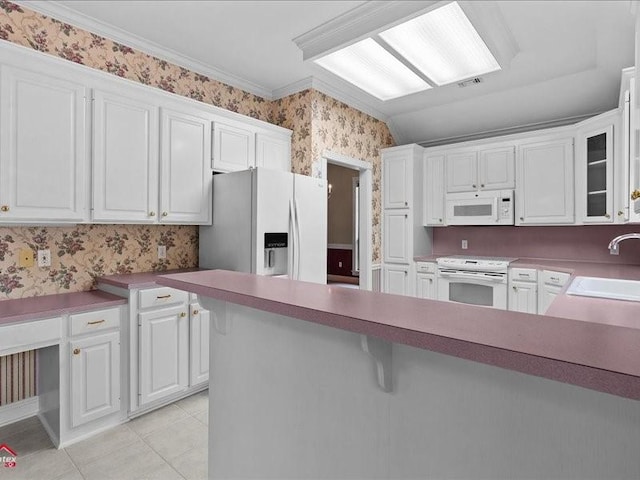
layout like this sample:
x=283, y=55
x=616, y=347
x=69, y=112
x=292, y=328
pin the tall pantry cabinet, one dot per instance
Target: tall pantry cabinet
x=403, y=235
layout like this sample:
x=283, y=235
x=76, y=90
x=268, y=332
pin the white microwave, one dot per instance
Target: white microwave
x=480, y=208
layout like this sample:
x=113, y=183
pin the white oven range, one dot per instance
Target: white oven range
x=473, y=280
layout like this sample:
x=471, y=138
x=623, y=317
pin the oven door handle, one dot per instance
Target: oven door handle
x=481, y=276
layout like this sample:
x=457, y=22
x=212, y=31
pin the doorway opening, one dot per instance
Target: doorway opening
x=349, y=220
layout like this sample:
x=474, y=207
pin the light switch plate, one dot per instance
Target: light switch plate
x=44, y=258
x=465, y=244
x=162, y=252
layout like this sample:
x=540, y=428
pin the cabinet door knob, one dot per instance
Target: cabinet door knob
x=164, y=214
x=620, y=213
x=474, y=185
x=431, y=280
x=195, y=312
x=522, y=219
x=152, y=214
x=4, y=208
x=183, y=314
x=482, y=185
x=440, y=220
x=607, y=215
x=406, y=203
x=76, y=351
x=515, y=289
x=635, y=194
x=406, y=216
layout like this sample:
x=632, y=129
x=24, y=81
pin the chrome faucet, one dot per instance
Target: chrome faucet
x=613, y=245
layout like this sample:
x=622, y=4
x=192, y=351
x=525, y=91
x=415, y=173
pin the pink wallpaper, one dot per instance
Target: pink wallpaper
x=584, y=243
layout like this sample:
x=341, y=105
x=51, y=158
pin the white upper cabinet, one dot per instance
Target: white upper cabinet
x=496, y=168
x=462, y=171
x=273, y=152
x=433, y=186
x=233, y=147
x=545, y=190
x=185, y=175
x=594, y=171
x=42, y=147
x=481, y=168
x=397, y=180
x=125, y=158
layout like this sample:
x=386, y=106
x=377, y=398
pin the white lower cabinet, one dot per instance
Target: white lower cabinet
x=523, y=290
x=163, y=352
x=396, y=279
x=95, y=377
x=551, y=284
x=426, y=286
x=199, y=345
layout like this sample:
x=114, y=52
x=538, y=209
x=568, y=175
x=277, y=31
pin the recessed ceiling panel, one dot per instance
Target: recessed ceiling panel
x=373, y=69
x=442, y=44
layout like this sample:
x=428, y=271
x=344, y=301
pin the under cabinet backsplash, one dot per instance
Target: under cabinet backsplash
x=80, y=253
x=586, y=243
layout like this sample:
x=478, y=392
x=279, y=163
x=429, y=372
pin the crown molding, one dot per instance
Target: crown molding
x=501, y=132
x=359, y=22
x=60, y=12
x=292, y=88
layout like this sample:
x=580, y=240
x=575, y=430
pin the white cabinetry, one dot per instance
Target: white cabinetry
x=550, y=285
x=545, y=190
x=273, y=151
x=94, y=365
x=396, y=279
x=185, y=175
x=164, y=352
x=403, y=233
x=396, y=236
x=433, y=187
x=42, y=146
x=488, y=168
x=199, y=321
x=426, y=286
x=168, y=336
x=125, y=157
x=238, y=146
x=523, y=290
x=595, y=157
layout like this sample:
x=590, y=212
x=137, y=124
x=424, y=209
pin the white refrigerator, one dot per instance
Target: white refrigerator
x=268, y=222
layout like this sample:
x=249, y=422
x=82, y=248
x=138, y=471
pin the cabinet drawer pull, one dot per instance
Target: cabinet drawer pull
x=96, y=322
x=4, y=208
x=76, y=351
x=183, y=314
x=159, y=297
x=164, y=214
x=152, y=214
x=195, y=312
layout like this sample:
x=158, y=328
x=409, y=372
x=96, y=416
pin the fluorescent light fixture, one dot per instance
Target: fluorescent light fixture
x=443, y=45
x=370, y=67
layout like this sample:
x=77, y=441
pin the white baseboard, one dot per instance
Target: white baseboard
x=20, y=410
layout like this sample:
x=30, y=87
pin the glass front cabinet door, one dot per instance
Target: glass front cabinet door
x=597, y=177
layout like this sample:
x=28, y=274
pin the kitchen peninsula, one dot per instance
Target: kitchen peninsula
x=303, y=400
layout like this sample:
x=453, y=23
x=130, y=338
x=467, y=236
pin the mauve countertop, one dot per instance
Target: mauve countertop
x=130, y=281
x=591, y=353
x=33, y=308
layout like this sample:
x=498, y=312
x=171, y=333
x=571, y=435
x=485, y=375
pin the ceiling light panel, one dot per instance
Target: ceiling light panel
x=370, y=67
x=443, y=45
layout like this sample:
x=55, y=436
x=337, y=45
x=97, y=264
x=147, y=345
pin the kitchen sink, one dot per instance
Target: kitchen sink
x=613, y=288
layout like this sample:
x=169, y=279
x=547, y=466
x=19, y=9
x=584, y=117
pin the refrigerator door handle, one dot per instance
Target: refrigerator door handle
x=298, y=236
x=292, y=244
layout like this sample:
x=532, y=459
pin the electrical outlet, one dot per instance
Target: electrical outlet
x=162, y=252
x=26, y=258
x=465, y=244
x=44, y=258
x=340, y=264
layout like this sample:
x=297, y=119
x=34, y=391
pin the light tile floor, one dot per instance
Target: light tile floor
x=169, y=443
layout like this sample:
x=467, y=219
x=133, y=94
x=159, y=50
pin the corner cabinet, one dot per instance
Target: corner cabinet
x=43, y=157
x=545, y=176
